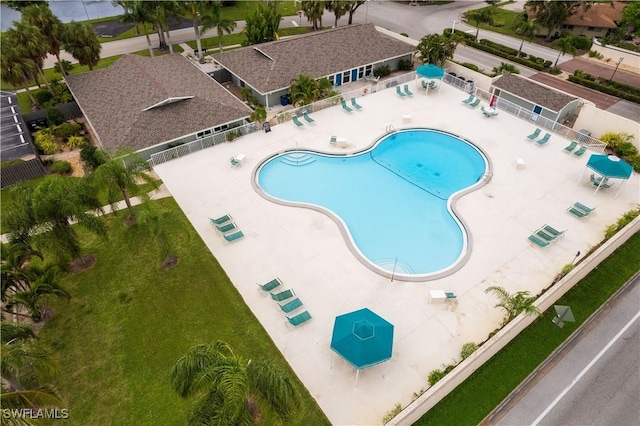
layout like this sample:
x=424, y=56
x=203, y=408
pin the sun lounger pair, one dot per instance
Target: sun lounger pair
x=534, y=135
x=289, y=304
x=404, y=93
x=296, y=121
x=345, y=107
x=475, y=103
x=545, y=235
x=469, y=99
x=430, y=85
x=580, y=210
x=578, y=152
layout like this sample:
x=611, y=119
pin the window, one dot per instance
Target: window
x=360, y=72
x=203, y=133
x=368, y=69
x=567, y=27
x=593, y=29
x=346, y=77
x=332, y=79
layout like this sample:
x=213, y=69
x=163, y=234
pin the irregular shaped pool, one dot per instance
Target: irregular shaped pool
x=393, y=201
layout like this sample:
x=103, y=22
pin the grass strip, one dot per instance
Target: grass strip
x=474, y=399
x=129, y=320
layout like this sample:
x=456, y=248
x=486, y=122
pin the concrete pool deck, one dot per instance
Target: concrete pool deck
x=306, y=250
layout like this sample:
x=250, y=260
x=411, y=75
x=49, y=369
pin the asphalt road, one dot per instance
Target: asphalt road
x=593, y=380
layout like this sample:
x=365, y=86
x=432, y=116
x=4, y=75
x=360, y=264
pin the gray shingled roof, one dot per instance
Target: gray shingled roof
x=113, y=100
x=317, y=54
x=527, y=89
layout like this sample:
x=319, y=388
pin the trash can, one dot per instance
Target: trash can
x=283, y=100
x=266, y=126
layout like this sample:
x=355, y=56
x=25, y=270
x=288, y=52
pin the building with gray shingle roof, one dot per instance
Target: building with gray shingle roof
x=535, y=97
x=142, y=103
x=343, y=55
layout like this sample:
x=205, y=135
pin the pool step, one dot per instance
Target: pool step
x=400, y=266
x=297, y=159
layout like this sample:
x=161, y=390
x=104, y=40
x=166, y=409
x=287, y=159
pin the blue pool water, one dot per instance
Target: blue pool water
x=393, y=199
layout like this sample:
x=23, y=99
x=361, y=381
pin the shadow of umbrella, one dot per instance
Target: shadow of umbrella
x=363, y=339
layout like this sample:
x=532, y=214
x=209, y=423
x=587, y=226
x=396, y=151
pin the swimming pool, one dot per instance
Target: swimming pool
x=393, y=201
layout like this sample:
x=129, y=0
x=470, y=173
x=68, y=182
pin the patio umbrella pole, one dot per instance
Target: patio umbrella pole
x=357, y=375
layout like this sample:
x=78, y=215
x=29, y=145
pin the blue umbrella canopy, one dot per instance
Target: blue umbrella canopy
x=430, y=71
x=362, y=338
x=609, y=166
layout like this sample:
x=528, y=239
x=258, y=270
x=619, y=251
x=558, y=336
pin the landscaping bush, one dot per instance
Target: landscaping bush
x=621, y=93
x=42, y=96
x=626, y=149
x=468, y=349
x=435, y=376
x=54, y=117
x=46, y=142
x=621, y=223
x=382, y=71
x=405, y=64
x=580, y=43
x=61, y=168
x=75, y=141
x=555, y=70
x=513, y=58
x=498, y=46
x=471, y=66
x=90, y=156
x=67, y=130
x=594, y=54
x=613, y=140
x=634, y=160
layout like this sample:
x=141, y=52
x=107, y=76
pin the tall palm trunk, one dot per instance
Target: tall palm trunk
x=127, y=201
x=149, y=44
x=62, y=70
x=33, y=99
x=169, y=40
x=46, y=82
x=198, y=43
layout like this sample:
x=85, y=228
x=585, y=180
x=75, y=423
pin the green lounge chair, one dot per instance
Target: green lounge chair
x=355, y=104
x=552, y=231
x=534, y=135
x=226, y=228
x=469, y=99
x=407, y=91
x=537, y=241
x=306, y=117
x=234, y=236
x=296, y=121
x=601, y=181
x=425, y=86
x=270, y=285
x=283, y=295
x=544, y=140
x=475, y=103
x=234, y=162
x=221, y=219
x=571, y=146
x=450, y=295
x=576, y=212
x=580, y=151
x=291, y=306
x=345, y=107
x=299, y=319
x=584, y=208
x=432, y=85
x=544, y=236
x=400, y=92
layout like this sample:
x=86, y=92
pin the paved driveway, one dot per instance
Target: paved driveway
x=601, y=70
x=601, y=100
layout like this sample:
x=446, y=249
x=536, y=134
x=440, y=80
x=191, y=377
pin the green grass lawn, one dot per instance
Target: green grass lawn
x=503, y=21
x=211, y=43
x=474, y=399
x=129, y=320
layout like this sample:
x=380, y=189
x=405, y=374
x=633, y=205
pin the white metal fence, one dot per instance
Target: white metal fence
x=593, y=144
x=205, y=142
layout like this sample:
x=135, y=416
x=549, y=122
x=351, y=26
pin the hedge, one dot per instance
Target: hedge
x=605, y=89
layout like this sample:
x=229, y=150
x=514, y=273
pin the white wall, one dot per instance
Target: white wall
x=482, y=81
x=631, y=60
x=599, y=122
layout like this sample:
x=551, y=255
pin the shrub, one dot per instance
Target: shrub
x=580, y=43
x=90, y=156
x=468, y=349
x=594, y=54
x=61, y=168
x=621, y=223
x=42, y=96
x=382, y=71
x=54, y=117
x=626, y=149
x=555, y=70
x=258, y=114
x=404, y=34
x=435, y=376
x=67, y=130
x=613, y=140
x=405, y=64
x=471, y=66
x=66, y=65
x=46, y=142
x=634, y=160
x=75, y=141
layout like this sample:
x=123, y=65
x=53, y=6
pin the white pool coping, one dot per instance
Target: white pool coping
x=307, y=251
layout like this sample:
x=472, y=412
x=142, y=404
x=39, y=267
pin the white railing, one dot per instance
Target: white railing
x=395, y=81
x=288, y=115
x=202, y=143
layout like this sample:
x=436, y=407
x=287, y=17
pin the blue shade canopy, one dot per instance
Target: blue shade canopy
x=362, y=338
x=430, y=71
x=609, y=166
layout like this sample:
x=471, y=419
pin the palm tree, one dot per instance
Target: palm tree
x=136, y=11
x=120, y=176
x=514, y=304
x=195, y=10
x=564, y=45
x=161, y=11
x=527, y=28
x=16, y=69
x=313, y=10
x=81, y=41
x=213, y=19
x=481, y=16
x=262, y=24
x=231, y=387
x=15, y=274
x=437, y=48
x=51, y=27
x=353, y=6
x=304, y=90
x=504, y=67
x=44, y=213
x=29, y=41
x=339, y=8
x=34, y=299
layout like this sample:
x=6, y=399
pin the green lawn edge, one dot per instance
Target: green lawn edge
x=476, y=397
x=129, y=319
